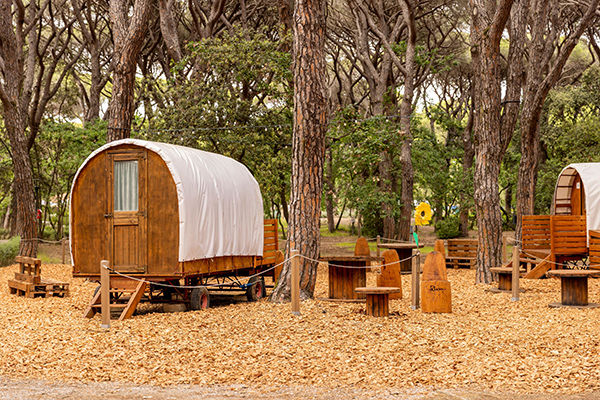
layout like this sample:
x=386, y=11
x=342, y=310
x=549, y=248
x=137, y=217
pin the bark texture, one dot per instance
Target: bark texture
x=487, y=25
x=128, y=34
x=308, y=145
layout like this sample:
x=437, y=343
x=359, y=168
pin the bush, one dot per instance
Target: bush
x=8, y=251
x=447, y=228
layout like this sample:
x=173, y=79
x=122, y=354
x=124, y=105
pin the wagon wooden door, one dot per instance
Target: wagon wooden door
x=127, y=215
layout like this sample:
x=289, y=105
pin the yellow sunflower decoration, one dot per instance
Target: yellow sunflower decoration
x=423, y=214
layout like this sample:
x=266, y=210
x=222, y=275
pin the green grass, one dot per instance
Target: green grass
x=372, y=245
x=48, y=258
x=342, y=231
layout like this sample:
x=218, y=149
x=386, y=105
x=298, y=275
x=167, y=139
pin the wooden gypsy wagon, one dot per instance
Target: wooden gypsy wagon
x=571, y=234
x=166, y=217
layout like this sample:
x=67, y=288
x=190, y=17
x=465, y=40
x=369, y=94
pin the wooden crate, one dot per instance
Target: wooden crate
x=462, y=253
x=45, y=288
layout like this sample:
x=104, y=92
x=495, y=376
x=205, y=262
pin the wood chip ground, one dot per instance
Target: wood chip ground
x=488, y=341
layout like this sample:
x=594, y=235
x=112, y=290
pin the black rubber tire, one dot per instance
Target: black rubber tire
x=256, y=291
x=199, y=299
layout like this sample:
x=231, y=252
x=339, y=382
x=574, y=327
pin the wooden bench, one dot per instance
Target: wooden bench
x=461, y=253
x=574, y=287
x=28, y=281
x=378, y=299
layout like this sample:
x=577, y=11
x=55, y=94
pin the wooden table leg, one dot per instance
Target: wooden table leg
x=405, y=266
x=574, y=291
x=505, y=282
x=378, y=305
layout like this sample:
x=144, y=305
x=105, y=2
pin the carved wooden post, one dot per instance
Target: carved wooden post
x=515, y=274
x=105, y=294
x=415, y=287
x=295, y=283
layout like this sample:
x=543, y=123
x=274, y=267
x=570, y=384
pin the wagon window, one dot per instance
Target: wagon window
x=126, y=185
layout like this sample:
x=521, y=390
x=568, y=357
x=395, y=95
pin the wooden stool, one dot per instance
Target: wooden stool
x=378, y=299
x=574, y=287
x=504, y=279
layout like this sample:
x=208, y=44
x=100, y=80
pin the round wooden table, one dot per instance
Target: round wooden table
x=378, y=299
x=404, y=251
x=346, y=273
x=574, y=287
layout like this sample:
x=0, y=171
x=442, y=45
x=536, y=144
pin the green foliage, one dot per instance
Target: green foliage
x=437, y=162
x=447, y=228
x=232, y=95
x=358, y=146
x=9, y=250
x=570, y=132
x=61, y=147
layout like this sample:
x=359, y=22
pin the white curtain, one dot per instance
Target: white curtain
x=126, y=185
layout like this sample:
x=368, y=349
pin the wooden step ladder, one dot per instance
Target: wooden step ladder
x=128, y=294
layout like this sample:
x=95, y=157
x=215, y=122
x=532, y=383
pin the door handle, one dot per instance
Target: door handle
x=107, y=215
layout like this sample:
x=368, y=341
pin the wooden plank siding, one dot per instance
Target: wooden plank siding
x=535, y=233
x=568, y=235
x=594, y=249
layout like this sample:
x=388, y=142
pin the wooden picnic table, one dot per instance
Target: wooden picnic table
x=404, y=251
x=346, y=273
x=574, y=287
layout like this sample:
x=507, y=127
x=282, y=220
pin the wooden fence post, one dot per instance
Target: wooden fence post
x=415, y=286
x=105, y=294
x=515, y=274
x=295, y=284
x=63, y=243
x=378, y=243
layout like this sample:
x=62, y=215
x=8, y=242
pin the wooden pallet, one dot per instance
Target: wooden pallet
x=45, y=288
x=462, y=253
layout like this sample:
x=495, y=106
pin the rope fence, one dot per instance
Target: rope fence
x=134, y=278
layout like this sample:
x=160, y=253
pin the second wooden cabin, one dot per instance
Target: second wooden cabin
x=565, y=235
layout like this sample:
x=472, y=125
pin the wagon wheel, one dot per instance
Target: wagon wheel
x=199, y=299
x=256, y=289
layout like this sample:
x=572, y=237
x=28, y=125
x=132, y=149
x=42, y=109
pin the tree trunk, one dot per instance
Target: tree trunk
x=23, y=182
x=329, y=190
x=544, y=70
x=308, y=145
x=467, y=164
x=406, y=195
x=487, y=25
x=129, y=35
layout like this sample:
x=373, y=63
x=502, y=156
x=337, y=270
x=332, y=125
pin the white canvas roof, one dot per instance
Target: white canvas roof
x=590, y=177
x=220, y=204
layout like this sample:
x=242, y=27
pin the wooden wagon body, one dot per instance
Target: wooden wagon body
x=167, y=218
x=143, y=238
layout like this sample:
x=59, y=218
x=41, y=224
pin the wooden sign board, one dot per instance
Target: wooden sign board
x=362, y=247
